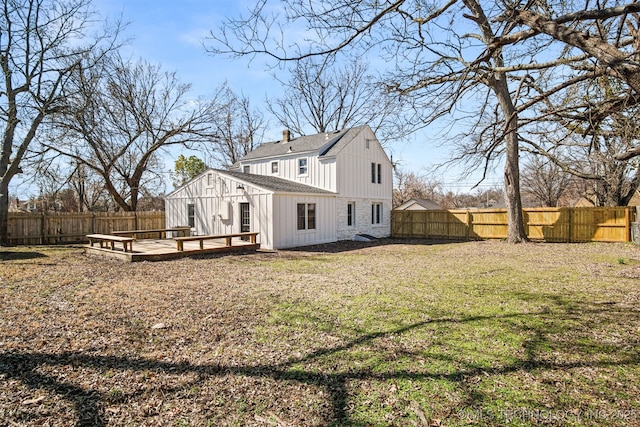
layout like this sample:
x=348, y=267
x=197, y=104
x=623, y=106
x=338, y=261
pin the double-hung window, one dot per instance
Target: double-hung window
x=303, y=166
x=376, y=173
x=351, y=214
x=306, y=216
x=376, y=213
x=191, y=215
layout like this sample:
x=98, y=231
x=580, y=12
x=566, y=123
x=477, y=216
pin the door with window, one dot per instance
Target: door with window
x=245, y=219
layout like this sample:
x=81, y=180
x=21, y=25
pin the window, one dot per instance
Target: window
x=209, y=180
x=376, y=173
x=302, y=166
x=246, y=169
x=376, y=213
x=306, y=216
x=366, y=143
x=274, y=167
x=191, y=215
x=351, y=214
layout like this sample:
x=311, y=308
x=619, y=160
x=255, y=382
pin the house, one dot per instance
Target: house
x=295, y=192
x=418, y=205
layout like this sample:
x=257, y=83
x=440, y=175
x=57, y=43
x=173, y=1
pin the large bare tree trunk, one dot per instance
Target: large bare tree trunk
x=516, y=232
x=4, y=213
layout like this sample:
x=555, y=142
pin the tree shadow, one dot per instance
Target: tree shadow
x=89, y=404
x=353, y=245
x=20, y=255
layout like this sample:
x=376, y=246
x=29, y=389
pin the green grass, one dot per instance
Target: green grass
x=479, y=333
x=505, y=338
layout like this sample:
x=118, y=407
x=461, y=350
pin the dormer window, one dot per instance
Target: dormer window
x=302, y=166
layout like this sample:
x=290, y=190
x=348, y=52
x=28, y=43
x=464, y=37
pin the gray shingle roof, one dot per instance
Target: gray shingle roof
x=274, y=183
x=326, y=143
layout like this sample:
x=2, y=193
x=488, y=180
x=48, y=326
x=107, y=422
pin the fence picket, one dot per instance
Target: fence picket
x=56, y=227
x=601, y=224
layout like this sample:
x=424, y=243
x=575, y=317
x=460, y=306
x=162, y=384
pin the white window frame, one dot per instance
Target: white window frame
x=351, y=214
x=300, y=166
x=377, y=213
x=306, y=218
x=191, y=215
x=275, y=167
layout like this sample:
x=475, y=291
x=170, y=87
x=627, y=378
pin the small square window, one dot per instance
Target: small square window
x=274, y=167
x=246, y=169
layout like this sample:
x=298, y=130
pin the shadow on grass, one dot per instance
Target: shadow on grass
x=89, y=404
x=20, y=255
x=352, y=245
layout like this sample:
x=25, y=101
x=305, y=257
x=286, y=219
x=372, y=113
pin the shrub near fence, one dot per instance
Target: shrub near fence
x=606, y=224
x=51, y=228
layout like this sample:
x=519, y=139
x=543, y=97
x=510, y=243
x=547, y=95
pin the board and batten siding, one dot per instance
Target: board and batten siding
x=285, y=211
x=355, y=186
x=320, y=172
x=217, y=207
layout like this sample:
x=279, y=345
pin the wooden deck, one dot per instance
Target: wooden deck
x=166, y=249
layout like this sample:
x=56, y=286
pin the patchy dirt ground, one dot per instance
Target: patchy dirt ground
x=398, y=333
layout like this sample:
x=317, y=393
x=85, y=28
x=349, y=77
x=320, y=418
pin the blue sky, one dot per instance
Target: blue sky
x=172, y=32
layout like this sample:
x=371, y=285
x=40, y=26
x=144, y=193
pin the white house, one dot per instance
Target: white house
x=294, y=192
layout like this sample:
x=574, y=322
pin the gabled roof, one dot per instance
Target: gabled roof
x=424, y=203
x=273, y=183
x=325, y=144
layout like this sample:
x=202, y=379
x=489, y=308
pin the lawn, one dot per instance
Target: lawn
x=398, y=333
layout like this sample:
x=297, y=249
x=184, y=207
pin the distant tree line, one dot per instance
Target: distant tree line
x=549, y=89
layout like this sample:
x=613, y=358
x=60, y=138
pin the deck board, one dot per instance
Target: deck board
x=166, y=249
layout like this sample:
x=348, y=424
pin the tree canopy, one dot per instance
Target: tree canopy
x=490, y=67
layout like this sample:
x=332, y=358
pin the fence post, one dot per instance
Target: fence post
x=43, y=229
x=411, y=226
x=570, y=226
x=627, y=222
x=469, y=220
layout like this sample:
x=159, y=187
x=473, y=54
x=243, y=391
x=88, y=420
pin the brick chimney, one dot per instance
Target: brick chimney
x=286, y=135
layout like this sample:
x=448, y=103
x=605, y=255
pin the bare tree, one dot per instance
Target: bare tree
x=237, y=128
x=325, y=96
x=479, y=60
x=41, y=43
x=546, y=181
x=590, y=125
x=409, y=185
x=122, y=116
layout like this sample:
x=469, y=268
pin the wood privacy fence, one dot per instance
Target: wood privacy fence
x=608, y=224
x=49, y=228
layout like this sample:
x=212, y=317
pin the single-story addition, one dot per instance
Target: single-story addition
x=294, y=192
